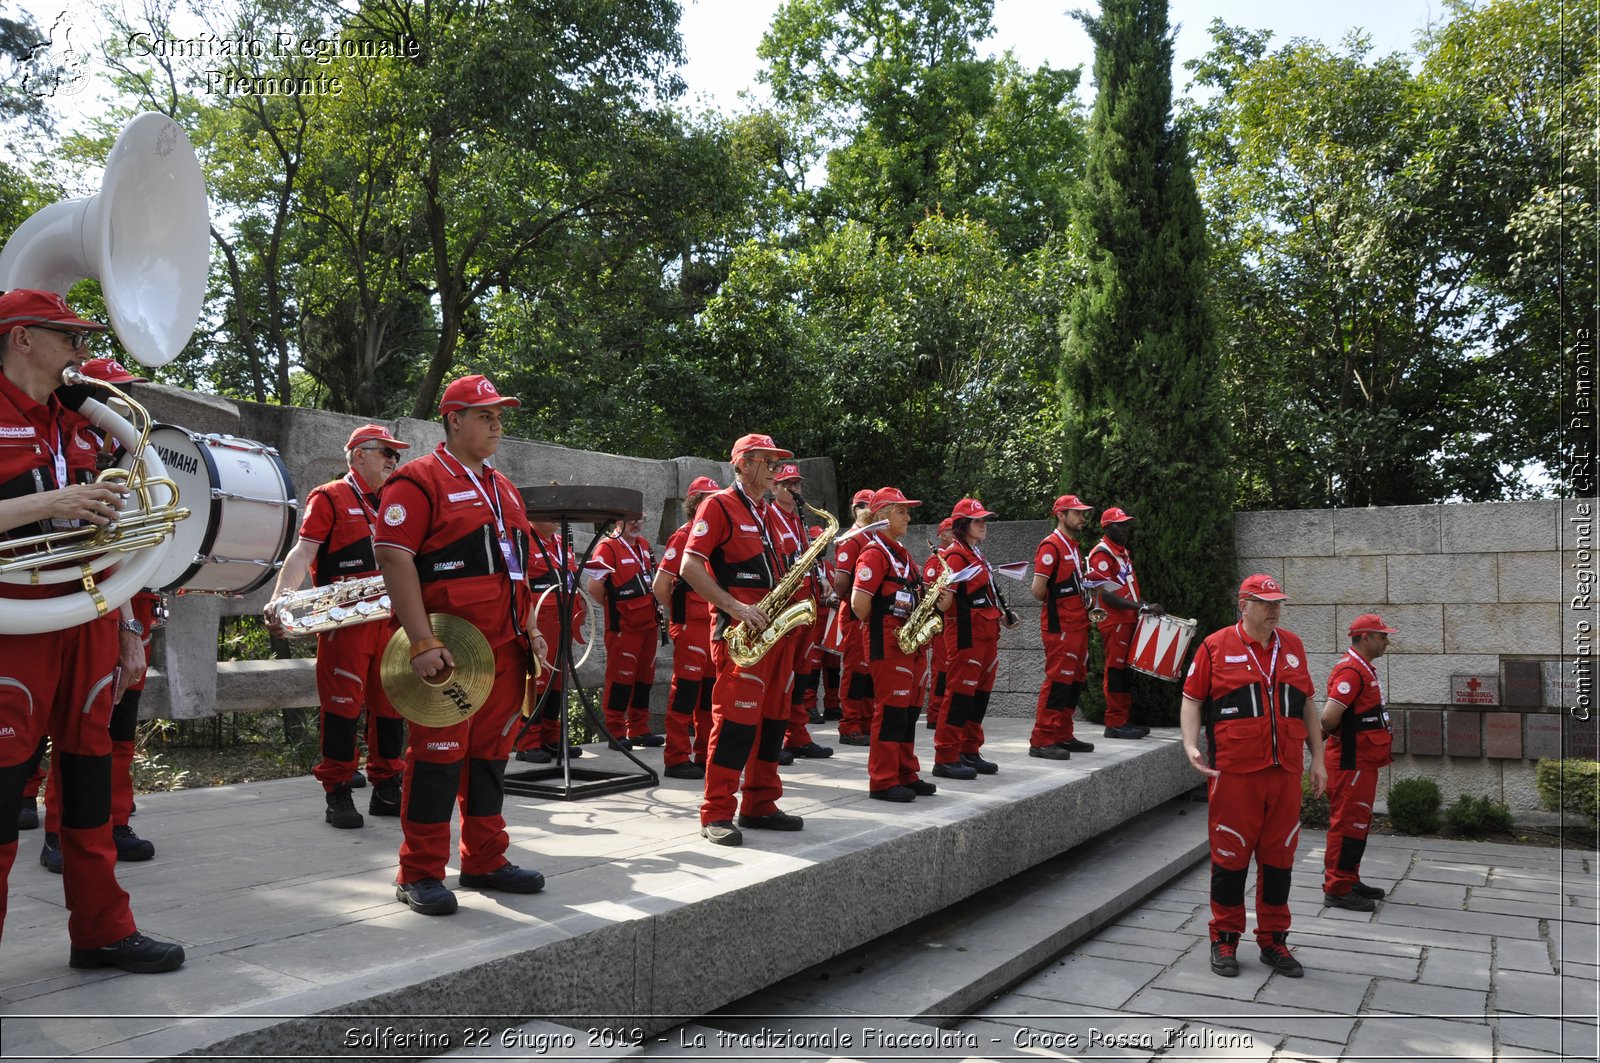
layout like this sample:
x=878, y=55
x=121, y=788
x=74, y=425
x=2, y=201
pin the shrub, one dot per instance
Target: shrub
x=1472, y=816
x=1314, y=811
x=1414, y=806
x=1569, y=786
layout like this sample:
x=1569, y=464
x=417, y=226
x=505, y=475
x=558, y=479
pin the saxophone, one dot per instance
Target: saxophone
x=745, y=649
x=924, y=622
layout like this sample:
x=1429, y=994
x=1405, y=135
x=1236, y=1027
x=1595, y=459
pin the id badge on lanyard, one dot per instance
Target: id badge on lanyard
x=513, y=564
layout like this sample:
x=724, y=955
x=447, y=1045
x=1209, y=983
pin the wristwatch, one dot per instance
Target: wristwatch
x=131, y=625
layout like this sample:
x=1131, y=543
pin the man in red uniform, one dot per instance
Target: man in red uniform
x=1110, y=563
x=618, y=577
x=336, y=546
x=60, y=684
x=1358, y=744
x=887, y=587
x=792, y=542
x=689, y=619
x=855, y=677
x=453, y=538
x=1058, y=574
x=548, y=555
x=939, y=697
x=1249, y=685
x=732, y=560
x=972, y=647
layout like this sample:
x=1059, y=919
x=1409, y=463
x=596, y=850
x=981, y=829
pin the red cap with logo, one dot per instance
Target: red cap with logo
x=947, y=525
x=1370, y=622
x=111, y=371
x=756, y=441
x=30, y=306
x=891, y=496
x=1262, y=587
x=786, y=473
x=702, y=485
x=1114, y=515
x=862, y=497
x=972, y=509
x=1066, y=502
x=473, y=391
x=374, y=433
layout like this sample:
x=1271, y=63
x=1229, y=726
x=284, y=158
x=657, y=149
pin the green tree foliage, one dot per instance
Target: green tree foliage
x=1144, y=428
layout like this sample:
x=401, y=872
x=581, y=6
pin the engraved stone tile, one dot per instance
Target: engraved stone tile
x=1507, y=526
x=1398, y=721
x=1502, y=735
x=1425, y=732
x=1463, y=733
x=1541, y=735
x=1283, y=533
x=1521, y=687
x=1386, y=530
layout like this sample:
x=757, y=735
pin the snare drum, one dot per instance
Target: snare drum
x=1160, y=644
x=242, y=507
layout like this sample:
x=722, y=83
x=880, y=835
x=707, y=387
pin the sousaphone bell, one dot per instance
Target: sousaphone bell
x=441, y=701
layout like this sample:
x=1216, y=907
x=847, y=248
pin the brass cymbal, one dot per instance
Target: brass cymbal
x=430, y=702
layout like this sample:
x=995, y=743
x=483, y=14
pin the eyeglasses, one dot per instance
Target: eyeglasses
x=78, y=340
x=388, y=452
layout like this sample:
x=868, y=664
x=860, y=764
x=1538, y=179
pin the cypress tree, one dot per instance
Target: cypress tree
x=1141, y=377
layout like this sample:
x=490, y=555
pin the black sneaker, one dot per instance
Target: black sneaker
x=1225, y=959
x=785, y=757
x=687, y=769
x=832, y=714
x=620, y=744
x=649, y=741
x=135, y=953
x=507, y=878
x=814, y=717
x=358, y=781
x=385, y=798
x=855, y=740
x=131, y=847
x=1125, y=731
x=539, y=755
x=722, y=832
x=898, y=794
x=813, y=751
x=341, y=811
x=426, y=896
x=1279, y=958
x=556, y=751
x=1361, y=889
x=978, y=764
x=957, y=770
x=28, y=816
x=1352, y=901
x=50, y=854
x=1076, y=745
x=1049, y=753
x=923, y=788
x=774, y=820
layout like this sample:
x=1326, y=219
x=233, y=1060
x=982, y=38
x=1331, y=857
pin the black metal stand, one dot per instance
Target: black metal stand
x=563, y=780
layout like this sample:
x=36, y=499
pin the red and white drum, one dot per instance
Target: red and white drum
x=1160, y=644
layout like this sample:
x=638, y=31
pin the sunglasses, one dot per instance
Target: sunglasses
x=78, y=340
x=388, y=452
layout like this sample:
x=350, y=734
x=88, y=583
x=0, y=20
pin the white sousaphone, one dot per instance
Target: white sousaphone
x=145, y=237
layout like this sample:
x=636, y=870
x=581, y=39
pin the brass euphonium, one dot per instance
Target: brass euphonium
x=924, y=621
x=745, y=649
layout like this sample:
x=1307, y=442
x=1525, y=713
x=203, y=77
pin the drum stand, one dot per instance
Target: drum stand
x=562, y=780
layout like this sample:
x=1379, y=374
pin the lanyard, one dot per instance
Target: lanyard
x=1070, y=548
x=493, y=503
x=902, y=572
x=366, y=507
x=644, y=569
x=1270, y=675
x=59, y=459
x=761, y=528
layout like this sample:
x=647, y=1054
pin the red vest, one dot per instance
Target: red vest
x=341, y=520
x=1364, y=736
x=1058, y=561
x=1252, y=698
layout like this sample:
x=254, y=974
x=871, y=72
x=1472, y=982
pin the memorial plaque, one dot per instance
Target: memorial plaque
x=1397, y=720
x=1502, y=735
x=1542, y=735
x=1560, y=683
x=1464, y=734
x=1475, y=690
x=1425, y=732
x=1524, y=685
x=1583, y=737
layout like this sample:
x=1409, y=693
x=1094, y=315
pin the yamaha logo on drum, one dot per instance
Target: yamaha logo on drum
x=185, y=463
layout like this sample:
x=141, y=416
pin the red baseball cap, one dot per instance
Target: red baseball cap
x=1115, y=515
x=374, y=433
x=891, y=496
x=862, y=497
x=472, y=391
x=787, y=472
x=1069, y=502
x=30, y=306
x=948, y=524
x=702, y=485
x=757, y=441
x=1370, y=622
x=1263, y=588
x=111, y=371
x=970, y=508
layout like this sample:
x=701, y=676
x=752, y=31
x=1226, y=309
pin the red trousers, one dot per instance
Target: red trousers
x=347, y=682
x=1350, y=796
x=1255, y=814
x=58, y=684
x=547, y=732
x=856, y=680
x=938, y=693
x=807, y=673
x=689, y=704
x=1116, y=683
x=463, y=764
x=124, y=733
x=897, y=697
x=630, y=672
x=969, y=681
x=749, y=718
x=1065, y=665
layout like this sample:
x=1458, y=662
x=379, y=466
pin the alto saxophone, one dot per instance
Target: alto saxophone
x=924, y=621
x=745, y=649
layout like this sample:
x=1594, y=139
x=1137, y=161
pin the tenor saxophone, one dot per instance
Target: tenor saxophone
x=745, y=649
x=924, y=621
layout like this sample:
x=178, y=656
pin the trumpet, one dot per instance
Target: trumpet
x=1091, y=602
x=336, y=605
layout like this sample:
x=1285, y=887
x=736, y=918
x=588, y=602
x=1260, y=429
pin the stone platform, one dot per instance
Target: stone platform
x=295, y=940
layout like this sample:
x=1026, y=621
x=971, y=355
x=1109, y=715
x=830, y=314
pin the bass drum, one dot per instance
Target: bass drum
x=243, y=512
